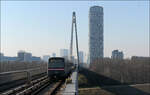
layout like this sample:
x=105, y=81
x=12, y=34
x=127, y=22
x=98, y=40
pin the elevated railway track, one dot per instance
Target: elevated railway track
x=13, y=79
x=40, y=86
x=26, y=88
x=33, y=86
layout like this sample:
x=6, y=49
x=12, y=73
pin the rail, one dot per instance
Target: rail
x=12, y=79
x=35, y=87
x=27, y=88
x=18, y=71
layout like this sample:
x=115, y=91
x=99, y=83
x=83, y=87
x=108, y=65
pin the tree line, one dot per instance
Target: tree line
x=16, y=65
x=126, y=71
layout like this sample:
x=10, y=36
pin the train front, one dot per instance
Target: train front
x=56, y=67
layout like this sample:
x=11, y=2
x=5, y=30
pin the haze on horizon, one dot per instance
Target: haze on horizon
x=44, y=27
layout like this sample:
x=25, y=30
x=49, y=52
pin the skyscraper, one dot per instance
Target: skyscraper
x=46, y=57
x=116, y=54
x=28, y=57
x=21, y=55
x=1, y=57
x=95, y=33
x=64, y=53
x=24, y=56
x=53, y=54
x=81, y=56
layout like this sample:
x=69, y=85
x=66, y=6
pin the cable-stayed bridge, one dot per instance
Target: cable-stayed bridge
x=37, y=82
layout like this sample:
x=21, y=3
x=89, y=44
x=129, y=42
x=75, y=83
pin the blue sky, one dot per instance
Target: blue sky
x=44, y=27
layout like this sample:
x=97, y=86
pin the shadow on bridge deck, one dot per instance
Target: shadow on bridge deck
x=111, y=85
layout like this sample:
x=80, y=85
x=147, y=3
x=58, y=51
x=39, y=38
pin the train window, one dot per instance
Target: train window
x=61, y=64
x=56, y=63
x=56, y=60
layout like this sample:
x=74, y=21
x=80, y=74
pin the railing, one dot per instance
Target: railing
x=72, y=87
x=29, y=73
x=15, y=78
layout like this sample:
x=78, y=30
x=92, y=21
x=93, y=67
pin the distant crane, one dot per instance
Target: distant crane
x=71, y=44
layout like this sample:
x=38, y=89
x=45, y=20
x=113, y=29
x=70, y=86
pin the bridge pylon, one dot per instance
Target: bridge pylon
x=74, y=26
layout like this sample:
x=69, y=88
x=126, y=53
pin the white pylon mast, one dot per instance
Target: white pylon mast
x=71, y=44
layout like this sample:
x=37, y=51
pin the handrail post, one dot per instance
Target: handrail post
x=76, y=83
x=28, y=77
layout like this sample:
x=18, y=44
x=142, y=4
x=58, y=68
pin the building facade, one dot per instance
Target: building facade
x=64, y=53
x=116, y=54
x=21, y=55
x=81, y=56
x=1, y=57
x=24, y=56
x=34, y=58
x=28, y=57
x=46, y=58
x=53, y=54
x=140, y=58
x=95, y=33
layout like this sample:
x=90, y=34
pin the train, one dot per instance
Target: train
x=59, y=67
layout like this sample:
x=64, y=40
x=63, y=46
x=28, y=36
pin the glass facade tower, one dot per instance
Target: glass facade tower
x=96, y=33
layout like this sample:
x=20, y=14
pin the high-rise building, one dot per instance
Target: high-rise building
x=116, y=54
x=81, y=57
x=64, y=53
x=21, y=55
x=7, y=58
x=96, y=33
x=24, y=56
x=28, y=57
x=54, y=54
x=34, y=58
x=1, y=57
x=88, y=59
x=46, y=57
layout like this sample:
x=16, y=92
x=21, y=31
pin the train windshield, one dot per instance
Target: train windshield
x=56, y=60
x=56, y=63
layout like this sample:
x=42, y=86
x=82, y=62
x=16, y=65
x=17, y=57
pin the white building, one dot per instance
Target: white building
x=53, y=54
x=28, y=57
x=1, y=57
x=81, y=57
x=64, y=53
x=46, y=58
x=24, y=56
x=21, y=55
x=95, y=33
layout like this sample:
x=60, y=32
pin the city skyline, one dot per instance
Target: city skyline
x=122, y=27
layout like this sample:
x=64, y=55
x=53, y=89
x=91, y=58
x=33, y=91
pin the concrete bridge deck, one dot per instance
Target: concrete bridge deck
x=72, y=88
